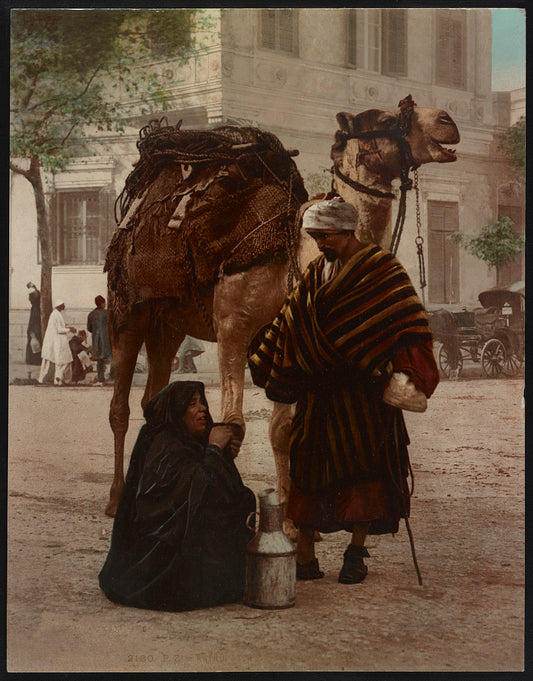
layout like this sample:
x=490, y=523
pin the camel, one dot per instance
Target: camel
x=242, y=301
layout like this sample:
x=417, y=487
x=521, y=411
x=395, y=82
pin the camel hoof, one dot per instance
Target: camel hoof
x=111, y=508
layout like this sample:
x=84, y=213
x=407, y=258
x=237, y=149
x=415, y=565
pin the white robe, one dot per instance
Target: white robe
x=55, y=344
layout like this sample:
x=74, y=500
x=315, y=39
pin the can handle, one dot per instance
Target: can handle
x=247, y=522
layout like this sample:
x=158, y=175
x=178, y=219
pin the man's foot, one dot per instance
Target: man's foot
x=309, y=570
x=354, y=570
x=98, y=384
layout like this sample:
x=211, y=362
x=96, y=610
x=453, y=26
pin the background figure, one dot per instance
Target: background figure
x=35, y=337
x=81, y=361
x=56, y=349
x=190, y=348
x=179, y=535
x=97, y=327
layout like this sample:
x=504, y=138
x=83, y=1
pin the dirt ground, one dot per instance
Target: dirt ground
x=467, y=519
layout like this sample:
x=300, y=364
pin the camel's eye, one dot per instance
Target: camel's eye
x=387, y=122
x=444, y=118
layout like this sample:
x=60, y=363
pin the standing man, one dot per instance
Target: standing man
x=351, y=347
x=189, y=349
x=97, y=326
x=56, y=349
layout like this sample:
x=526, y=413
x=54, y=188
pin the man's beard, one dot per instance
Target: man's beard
x=330, y=254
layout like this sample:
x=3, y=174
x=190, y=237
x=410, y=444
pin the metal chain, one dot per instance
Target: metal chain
x=419, y=240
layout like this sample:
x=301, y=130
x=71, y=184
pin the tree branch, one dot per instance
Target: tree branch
x=54, y=108
x=20, y=171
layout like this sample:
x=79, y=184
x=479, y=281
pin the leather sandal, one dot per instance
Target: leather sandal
x=354, y=570
x=309, y=570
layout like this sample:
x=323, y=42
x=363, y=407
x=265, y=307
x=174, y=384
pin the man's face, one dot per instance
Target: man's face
x=331, y=244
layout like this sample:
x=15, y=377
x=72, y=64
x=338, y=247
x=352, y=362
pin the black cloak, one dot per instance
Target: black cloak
x=34, y=328
x=179, y=535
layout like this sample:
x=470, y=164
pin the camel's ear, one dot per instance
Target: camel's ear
x=345, y=121
x=363, y=122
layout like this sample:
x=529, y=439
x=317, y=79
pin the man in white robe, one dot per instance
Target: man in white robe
x=56, y=349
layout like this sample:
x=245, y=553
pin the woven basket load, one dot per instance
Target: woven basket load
x=197, y=203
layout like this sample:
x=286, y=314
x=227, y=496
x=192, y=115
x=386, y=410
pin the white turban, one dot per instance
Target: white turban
x=334, y=215
x=58, y=302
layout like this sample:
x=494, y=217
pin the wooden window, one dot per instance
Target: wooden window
x=514, y=269
x=450, y=66
x=443, y=253
x=394, y=42
x=82, y=226
x=278, y=30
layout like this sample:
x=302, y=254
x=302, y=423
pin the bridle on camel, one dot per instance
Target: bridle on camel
x=399, y=134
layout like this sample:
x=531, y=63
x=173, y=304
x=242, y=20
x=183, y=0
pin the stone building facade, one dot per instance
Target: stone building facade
x=289, y=71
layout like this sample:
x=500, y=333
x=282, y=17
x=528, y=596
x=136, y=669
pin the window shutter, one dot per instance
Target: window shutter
x=286, y=37
x=107, y=196
x=278, y=30
x=394, y=42
x=268, y=28
x=351, y=47
x=450, y=52
x=54, y=228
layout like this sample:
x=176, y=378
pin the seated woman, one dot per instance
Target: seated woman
x=179, y=535
x=81, y=362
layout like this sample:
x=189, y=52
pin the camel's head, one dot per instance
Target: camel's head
x=430, y=130
x=371, y=138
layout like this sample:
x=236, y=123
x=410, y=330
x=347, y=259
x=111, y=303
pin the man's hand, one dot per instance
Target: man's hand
x=401, y=392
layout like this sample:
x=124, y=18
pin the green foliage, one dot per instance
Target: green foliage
x=513, y=146
x=318, y=183
x=72, y=70
x=496, y=244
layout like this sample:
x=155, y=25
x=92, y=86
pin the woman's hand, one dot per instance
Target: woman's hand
x=220, y=436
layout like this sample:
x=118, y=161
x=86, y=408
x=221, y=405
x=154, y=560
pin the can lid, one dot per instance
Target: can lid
x=269, y=497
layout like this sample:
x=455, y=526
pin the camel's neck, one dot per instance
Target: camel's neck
x=374, y=212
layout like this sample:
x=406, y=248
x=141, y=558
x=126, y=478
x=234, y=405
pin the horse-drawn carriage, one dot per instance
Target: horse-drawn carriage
x=492, y=335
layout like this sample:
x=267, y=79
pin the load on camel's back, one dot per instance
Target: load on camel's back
x=199, y=204
x=208, y=243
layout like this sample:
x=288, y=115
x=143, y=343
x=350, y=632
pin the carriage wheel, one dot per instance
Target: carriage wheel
x=493, y=358
x=513, y=362
x=444, y=362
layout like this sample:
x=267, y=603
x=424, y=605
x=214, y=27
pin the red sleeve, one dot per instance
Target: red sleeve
x=419, y=364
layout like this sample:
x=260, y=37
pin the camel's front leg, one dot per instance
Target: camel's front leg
x=279, y=432
x=232, y=343
x=242, y=304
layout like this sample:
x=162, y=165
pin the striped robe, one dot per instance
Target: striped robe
x=330, y=350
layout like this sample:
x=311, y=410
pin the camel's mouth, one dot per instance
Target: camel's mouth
x=445, y=155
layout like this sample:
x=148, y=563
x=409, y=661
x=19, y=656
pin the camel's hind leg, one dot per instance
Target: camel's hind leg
x=126, y=345
x=162, y=341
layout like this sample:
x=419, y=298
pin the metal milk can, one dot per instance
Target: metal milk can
x=270, y=581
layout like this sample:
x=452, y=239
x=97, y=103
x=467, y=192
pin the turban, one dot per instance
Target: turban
x=58, y=302
x=334, y=215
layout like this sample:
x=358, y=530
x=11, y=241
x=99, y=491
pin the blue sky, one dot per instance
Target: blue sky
x=508, y=49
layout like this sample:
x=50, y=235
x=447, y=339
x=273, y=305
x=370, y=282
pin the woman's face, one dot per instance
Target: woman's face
x=195, y=418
